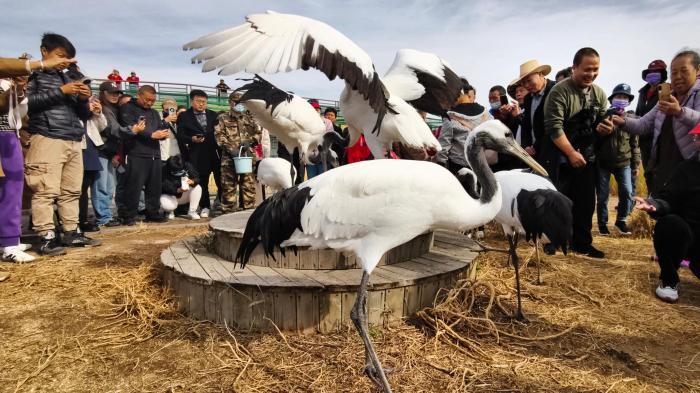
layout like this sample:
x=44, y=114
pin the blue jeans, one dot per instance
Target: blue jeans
x=314, y=170
x=623, y=177
x=103, y=191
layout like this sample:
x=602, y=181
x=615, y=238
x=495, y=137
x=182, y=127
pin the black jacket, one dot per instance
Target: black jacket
x=535, y=127
x=188, y=126
x=171, y=181
x=681, y=193
x=52, y=113
x=141, y=144
x=111, y=136
x=644, y=105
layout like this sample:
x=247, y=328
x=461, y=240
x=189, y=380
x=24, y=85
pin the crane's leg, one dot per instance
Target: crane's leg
x=537, y=255
x=513, y=241
x=373, y=368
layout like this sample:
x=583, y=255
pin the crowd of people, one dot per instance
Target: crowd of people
x=113, y=148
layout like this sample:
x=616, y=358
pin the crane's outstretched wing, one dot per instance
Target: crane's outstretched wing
x=272, y=42
x=424, y=80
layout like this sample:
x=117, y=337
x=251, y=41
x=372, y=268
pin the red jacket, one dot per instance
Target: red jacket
x=116, y=79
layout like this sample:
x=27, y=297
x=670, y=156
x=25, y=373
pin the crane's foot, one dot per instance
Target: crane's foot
x=375, y=376
x=519, y=316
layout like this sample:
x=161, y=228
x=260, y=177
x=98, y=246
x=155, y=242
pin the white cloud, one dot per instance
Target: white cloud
x=484, y=41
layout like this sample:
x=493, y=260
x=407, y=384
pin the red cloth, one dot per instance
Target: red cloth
x=358, y=152
x=116, y=79
x=133, y=79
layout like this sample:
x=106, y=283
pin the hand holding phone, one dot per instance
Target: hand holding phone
x=664, y=92
x=504, y=100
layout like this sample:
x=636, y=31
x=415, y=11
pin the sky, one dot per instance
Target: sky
x=485, y=41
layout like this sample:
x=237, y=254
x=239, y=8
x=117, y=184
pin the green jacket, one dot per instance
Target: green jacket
x=564, y=101
x=617, y=150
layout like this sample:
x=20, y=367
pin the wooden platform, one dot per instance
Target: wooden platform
x=300, y=295
x=228, y=231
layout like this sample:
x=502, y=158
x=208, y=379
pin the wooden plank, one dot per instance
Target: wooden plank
x=285, y=310
x=300, y=278
x=187, y=263
x=411, y=302
x=433, y=258
x=262, y=308
x=395, y=276
x=211, y=302
x=226, y=304
x=392, y=256
x=195, y=299
x=428, y=291
x=308, y=259
x=307, y=312
x=244, y=276
x=405, y=251
x=167, y=258
x=270, y=276
x=242, y=297
x=327, y=259
x=393, y=304
x=330, y=312
x=409, y=276
x=291, y=259
x=375, y=307
x=231, y=223
x=348, y=302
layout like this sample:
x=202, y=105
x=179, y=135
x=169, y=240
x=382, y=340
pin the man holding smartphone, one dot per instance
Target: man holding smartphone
x=142, y=148
x=196, y=126
x=54, y=162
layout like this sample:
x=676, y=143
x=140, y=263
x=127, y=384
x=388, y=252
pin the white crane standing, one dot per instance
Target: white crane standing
x=273, y=42
x=370, y=207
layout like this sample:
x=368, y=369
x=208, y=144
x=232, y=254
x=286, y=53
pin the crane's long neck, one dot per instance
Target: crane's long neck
x=477, y=160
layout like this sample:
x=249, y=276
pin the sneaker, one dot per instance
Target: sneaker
x=155, y=219
x=603, y=230
x=204, y=213
x=114, y=222
x=50, y=245
x=77, y=239
x=24, y=246
x=15, y=254
x=193, y=215
x=89, y=227
x=171, y=216
x=589, y=251
x=129, y=222
x=667, y=294
x=622, y=227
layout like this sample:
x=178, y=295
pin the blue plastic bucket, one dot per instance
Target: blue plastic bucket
x=242, y=164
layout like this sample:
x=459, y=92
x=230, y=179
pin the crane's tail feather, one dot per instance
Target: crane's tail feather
x=546, y=212
x=273, y=222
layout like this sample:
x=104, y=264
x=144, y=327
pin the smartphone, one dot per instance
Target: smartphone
x=171, y=110
x=142, y=118
x=664, y=92
x=504, y=100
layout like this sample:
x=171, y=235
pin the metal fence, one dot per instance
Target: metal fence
x=217, y=101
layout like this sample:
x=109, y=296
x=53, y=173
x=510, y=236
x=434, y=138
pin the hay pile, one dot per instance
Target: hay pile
x=99, y=321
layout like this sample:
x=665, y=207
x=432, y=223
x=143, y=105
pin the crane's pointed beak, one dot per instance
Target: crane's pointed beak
x=513, y=148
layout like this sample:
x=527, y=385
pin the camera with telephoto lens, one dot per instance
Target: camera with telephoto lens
x=75, y=75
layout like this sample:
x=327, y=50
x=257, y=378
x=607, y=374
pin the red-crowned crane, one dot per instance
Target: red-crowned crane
x=531, y=207
x=273, y=42
x=274, y=173
x=370, y=207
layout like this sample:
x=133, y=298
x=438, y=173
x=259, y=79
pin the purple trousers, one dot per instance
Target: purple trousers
x=11, y=187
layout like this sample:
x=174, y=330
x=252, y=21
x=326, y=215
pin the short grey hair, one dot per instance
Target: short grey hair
x=169, y=99
x=693, y=54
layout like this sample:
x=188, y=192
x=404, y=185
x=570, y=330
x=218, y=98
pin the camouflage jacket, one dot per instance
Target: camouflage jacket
x=233, y=130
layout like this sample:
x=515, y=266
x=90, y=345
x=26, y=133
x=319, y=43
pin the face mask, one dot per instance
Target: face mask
x=653, y=78
x=495, y=105
x=240, y=108
x=620, y=103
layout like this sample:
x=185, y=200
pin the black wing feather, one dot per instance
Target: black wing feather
x=439, y=96
x=260, y=89
x=273, y=222
x=546, y=212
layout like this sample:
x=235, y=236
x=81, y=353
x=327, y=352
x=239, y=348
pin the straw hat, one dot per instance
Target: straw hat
x=532, y=66
x=512, y=87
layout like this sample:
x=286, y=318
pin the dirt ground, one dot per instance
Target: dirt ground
x=97, y=320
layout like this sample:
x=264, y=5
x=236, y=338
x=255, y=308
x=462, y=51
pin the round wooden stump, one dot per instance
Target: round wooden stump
x=312, y=290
